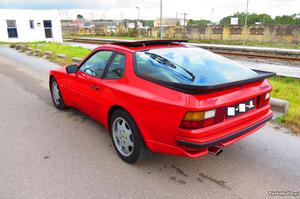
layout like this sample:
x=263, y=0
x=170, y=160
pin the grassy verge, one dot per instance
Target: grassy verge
x=288, y=89
x=69, y=51
x=56, y=48
x=248, y=43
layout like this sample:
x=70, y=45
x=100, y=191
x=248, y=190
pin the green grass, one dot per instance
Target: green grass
x=56, y=48
x=3, y=43
x=69, y=51
x=288, y=89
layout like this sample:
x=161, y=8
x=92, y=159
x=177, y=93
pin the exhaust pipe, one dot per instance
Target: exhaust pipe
x=215, y=150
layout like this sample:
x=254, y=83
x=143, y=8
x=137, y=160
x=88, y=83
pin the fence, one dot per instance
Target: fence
x=258, y=33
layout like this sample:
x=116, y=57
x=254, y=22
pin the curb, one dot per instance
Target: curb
x=76, y=60
x=61, y=56
x=37, y=52
x=48, y=54
x=279, y=105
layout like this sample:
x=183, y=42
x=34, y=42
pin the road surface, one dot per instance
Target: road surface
x=46, y=153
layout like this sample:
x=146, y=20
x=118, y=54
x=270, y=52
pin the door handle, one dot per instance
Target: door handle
x=95, y=87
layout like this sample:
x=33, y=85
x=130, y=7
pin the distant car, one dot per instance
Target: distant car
x=165, y=96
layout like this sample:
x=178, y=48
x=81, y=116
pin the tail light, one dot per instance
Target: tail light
x=263, y=99
x=196, y=120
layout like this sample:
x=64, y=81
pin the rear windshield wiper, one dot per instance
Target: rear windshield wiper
x=166, y=62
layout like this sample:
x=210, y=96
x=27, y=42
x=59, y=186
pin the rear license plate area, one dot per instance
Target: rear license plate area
x=240, y=108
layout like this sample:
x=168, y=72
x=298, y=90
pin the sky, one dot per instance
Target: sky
x=149, y=9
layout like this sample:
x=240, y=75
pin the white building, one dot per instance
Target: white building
x=17, y=25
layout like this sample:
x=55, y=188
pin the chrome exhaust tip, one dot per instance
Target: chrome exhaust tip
x=215, y=150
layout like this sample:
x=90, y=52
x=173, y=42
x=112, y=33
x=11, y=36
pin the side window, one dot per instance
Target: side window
x=96, y=63
x=48, y=28
x=116, y=68
x=12, y=29
x=31, y=24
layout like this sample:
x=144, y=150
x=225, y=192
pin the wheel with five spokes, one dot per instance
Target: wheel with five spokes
x=126, y=137
x=56, y=95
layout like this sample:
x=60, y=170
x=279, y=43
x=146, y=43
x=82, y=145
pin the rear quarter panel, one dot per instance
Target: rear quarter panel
x=156, y=110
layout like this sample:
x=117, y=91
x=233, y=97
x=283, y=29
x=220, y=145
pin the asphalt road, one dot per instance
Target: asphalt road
x=46, y=153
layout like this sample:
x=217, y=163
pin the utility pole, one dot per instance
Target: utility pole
x=184, y=18
x=246, y=21
x=92, y=23
x=184, y=22
x=212, y=15
x=161, y=21
x=92, y=17
x=138, y=20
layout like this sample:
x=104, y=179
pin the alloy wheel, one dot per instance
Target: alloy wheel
x=122, y=136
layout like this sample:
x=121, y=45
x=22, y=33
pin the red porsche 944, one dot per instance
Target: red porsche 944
x=165, y=96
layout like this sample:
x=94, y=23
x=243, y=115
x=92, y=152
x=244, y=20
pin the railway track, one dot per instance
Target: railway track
x=257, y=55
x=236, y=51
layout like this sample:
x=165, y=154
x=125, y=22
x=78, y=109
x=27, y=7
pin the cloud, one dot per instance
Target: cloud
x=196, y=9
x=74, y=4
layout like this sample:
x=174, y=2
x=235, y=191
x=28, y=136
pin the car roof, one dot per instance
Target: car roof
x=147, y=43
x=133, y=46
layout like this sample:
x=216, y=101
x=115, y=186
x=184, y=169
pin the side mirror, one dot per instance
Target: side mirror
x=72, y=68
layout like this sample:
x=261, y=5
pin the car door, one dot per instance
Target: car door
x=112, y=77
x=85, y=89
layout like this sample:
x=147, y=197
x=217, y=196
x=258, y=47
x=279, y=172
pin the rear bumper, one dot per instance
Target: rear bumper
x=196, y=143
x=227, y=138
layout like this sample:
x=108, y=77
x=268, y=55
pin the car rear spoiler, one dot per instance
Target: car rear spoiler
x=198, y=89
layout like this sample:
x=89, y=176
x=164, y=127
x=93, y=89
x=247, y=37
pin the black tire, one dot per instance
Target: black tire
x=60, y=104
x=140, y=150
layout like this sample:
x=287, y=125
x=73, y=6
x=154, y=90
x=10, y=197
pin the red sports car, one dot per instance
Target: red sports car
x=165, y=96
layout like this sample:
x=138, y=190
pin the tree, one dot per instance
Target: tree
x=286, y=19
x=252, y=18
x=201, y=22
x=79, y=16
x=149, y=23
x=262, y=18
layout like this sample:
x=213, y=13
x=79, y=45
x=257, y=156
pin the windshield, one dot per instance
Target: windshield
x=189, y=65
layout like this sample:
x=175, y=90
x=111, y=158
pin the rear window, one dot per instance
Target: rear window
x=189, y=65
